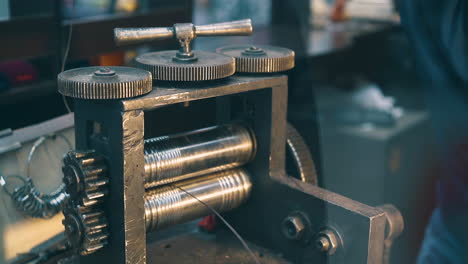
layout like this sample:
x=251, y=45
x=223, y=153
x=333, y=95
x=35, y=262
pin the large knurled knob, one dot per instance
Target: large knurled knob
x=184, y=64
x=259, y=59
x=104, y=82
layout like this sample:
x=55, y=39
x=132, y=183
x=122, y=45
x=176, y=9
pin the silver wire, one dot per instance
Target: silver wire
x=233, y=230
x=27, y=199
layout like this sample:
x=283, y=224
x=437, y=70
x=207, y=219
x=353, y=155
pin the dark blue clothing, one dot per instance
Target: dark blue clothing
x=439, y=245
x=438, y=31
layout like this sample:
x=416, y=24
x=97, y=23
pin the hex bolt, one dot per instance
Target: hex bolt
x=327, y=241
x=293, y=227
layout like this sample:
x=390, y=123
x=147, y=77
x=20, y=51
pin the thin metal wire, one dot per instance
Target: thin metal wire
x=233, y=230
x=65, y=54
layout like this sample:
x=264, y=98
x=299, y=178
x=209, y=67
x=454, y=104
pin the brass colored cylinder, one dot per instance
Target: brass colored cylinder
x=168, y=205
x=178, y=157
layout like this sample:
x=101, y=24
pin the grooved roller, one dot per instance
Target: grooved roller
x=175, y=204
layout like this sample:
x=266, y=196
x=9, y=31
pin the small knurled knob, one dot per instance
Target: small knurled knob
x=104, y=82
x=259, y=59
x=184, y=64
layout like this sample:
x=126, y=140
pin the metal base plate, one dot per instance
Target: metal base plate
x=199, y=247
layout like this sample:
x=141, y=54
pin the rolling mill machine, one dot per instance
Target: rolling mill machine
x=187, y=132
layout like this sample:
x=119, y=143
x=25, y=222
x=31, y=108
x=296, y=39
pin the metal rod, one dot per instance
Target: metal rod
x=223, y=191
x=177, y=157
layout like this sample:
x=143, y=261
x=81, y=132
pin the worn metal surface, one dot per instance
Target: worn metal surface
x=169, y=246
x=120, y=140
x=301, y=156
x=261, y=102
x=395, y=226
x=104, y=82
x=182, y=32
x=186, y=155
x=206, y=66
x=175, y=204
x=164, y=94
x=259, y=59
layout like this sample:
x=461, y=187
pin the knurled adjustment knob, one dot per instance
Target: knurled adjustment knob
x=259, y=59
x=184, y=64
x=113, y=82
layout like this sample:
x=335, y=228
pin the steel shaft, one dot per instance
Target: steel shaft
x=171, y=205
x=177, y=157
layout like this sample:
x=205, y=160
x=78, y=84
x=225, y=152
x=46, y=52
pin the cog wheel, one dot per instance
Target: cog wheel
x=85, y=177
x=259, y=59
x=86, y=228
x=298, y=155
x=204, y=66
x=104, y=82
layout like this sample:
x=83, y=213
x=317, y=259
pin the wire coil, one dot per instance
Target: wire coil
x=26, y=198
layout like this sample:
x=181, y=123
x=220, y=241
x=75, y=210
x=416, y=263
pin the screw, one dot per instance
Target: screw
x=293, y=227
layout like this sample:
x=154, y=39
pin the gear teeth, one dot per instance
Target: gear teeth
x=208, y=66
x=125, y=82
x=85, y=177
x=259, y=59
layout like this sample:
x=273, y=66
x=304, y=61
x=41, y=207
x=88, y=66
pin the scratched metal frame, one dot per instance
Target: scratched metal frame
x=120, y=135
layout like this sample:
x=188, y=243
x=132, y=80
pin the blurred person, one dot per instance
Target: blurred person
x=438, y=32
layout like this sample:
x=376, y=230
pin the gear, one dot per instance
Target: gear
x=85, y=177
x=85, y=228
x=259, y=59
x=301, y=156
x=203, y=66
x=104, y=82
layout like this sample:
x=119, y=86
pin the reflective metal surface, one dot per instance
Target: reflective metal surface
x=259, y=59
x=171, y=205
x=182, y=32
x=184, y=64
x=302, y=157
x=176, y=157
x=114, y=82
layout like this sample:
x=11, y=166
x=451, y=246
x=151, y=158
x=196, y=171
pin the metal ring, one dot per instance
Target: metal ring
x=26, y=197
x=37, y=144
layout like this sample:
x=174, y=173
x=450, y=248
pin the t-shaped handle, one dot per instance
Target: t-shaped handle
x=184, y=32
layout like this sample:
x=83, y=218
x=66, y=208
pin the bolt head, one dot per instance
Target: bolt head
x=293, y=227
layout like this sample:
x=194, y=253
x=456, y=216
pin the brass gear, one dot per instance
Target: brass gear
x=259, y=59
x=104, y=82
x=204, y=66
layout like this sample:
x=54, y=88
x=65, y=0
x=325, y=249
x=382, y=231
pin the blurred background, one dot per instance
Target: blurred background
x=353, y=94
